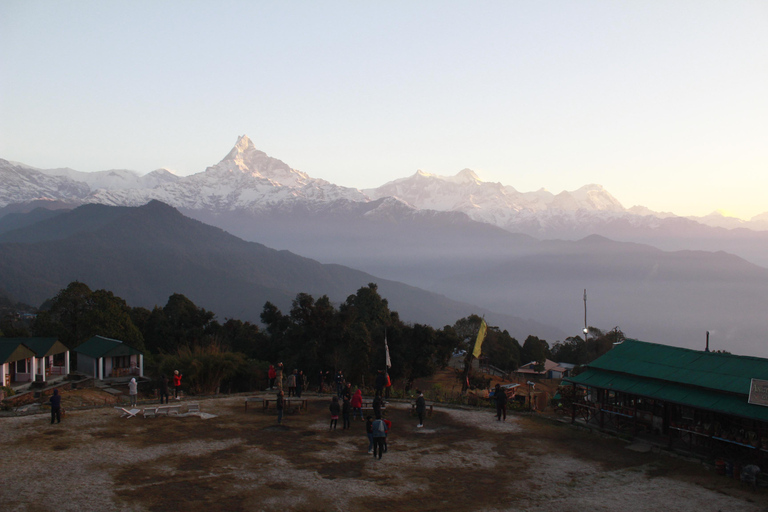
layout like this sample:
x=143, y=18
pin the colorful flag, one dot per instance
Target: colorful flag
x=389, y=362
x=480, y=338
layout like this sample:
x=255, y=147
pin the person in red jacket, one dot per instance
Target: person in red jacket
x=176, y=383
x=357, y=404
x=271, y=374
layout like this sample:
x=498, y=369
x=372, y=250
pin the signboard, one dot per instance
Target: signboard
x=758, y=392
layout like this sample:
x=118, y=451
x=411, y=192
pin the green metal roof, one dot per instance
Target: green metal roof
x=720, y=372
x=41, y=346
x=99, y=346
x=12, y=350
x=699, y=398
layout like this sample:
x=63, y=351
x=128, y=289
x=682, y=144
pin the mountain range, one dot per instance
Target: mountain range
x=529, y=255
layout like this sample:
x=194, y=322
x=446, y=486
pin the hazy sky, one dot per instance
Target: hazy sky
x=664, y=103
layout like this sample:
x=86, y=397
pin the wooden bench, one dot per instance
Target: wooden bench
x=368, y=406
x=254, y=399
x=168, y=410
x=193, y=408
x=429, y=406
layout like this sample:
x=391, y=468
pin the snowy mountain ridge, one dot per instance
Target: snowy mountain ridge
x=248, y=179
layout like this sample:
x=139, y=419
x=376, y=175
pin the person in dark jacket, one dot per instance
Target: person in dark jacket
x=346, y=410
x=501, y=403
x=335, y=409
x=379, y=429
x=55, y=407
x=163, y=388
x=377, y=406
x=380, y=382
x=421, y=408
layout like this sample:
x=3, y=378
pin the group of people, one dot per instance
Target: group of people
x=164, y=391
x=296, y=381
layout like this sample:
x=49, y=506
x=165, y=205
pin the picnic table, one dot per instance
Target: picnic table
x=303, y=403
x=368, y=405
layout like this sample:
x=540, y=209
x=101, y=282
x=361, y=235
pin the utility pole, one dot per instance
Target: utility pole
x=586, y=330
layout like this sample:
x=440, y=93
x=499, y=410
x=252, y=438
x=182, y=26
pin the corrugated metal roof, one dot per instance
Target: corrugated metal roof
x=720, y=372
x=99, y=346
x=674, y=393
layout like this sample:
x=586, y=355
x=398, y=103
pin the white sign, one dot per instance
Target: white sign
x=758, y=392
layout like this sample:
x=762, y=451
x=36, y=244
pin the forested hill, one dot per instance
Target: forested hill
x=145, y=254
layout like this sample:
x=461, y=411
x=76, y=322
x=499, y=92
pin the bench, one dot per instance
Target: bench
x=252, y=399
x=368, y=406
x=193, y=408
x=430, y=406
x=168, y=410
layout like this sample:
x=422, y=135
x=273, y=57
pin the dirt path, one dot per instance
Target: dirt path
x=461, y=460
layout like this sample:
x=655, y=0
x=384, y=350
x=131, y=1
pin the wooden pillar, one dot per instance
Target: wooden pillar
x=33, y=370
x=42, y=367
x=101, y=368
x=141, y=365
x=66, y=362
x=573, y=405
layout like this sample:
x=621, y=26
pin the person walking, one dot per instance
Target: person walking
x=346, y=409
x=55, y=407
x=357, y=404
x=421, y=407
x=279, y=404
x=163, y=389
x=379, y=435
x=335, y=411
x=133, y=391
x=271, y=374
x=176, y=384
x=299, y=383
x=500, y=397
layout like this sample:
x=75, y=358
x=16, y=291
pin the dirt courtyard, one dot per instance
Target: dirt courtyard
x=462, y=460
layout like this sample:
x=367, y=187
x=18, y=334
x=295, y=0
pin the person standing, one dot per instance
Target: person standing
x=163, y=389
x=335, y=411
x=380, y=382
x=299, y=383
x=347, y=393
x=357, y=404
x=55, y=407
x=279, y=376
x=501, y=402
x=292, y=383
x=346, y=409
x=271, y=374
x=176, y=384
x=279, y=404
x=379, y=435
x=133, y=391
x=421, y=407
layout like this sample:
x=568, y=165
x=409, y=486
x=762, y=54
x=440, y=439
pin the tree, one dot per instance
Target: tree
x=535, y=350
x=501, y=349
x=77, y=313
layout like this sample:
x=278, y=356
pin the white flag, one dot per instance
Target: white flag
x=389, y=362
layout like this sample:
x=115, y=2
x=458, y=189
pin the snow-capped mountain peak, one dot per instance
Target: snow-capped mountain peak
x=245, y=158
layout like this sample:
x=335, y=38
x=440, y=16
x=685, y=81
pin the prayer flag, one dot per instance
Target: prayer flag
x=389, y=362
x=480, y=338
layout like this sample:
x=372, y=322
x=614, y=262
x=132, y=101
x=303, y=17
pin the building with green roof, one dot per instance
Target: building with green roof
x=103, y=357
x=704, y=400
x=28, y=359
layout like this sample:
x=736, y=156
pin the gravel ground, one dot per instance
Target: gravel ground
x=236, y=460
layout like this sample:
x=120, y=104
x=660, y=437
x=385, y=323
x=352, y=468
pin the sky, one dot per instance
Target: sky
x=663, y=103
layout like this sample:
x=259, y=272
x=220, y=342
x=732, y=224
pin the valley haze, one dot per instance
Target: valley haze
x=521, y=258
